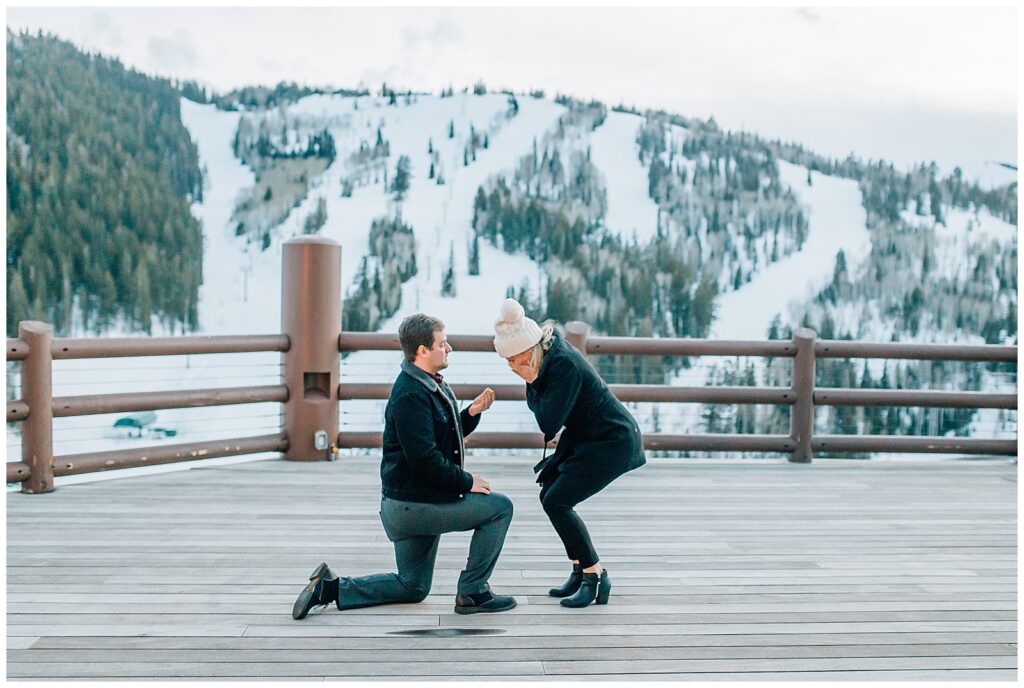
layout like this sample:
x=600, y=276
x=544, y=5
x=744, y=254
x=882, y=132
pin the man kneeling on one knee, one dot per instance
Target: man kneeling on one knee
x=426, y=492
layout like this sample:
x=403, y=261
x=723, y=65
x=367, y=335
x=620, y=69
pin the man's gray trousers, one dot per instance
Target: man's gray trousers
x=415, y=528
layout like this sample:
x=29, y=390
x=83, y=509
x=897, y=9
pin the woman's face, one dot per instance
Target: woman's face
x=522, y=358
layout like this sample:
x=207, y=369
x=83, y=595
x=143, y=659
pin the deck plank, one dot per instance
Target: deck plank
x=722, y=570
x=506, y=641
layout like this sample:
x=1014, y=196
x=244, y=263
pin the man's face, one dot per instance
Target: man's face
x=436, y=358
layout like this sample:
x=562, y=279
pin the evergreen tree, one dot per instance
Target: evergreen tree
x=317, y=219
x=371, y=301
x=355, y=313
x=713, y=419
x=100, y=176
x=448, y=281
x=936, y=202
x=839, y=273
x=563, y=301
x=18, y=308
x=703, y=306
x=400, y=184
x=474, y=255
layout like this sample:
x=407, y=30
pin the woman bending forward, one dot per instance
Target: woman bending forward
x=601, y=440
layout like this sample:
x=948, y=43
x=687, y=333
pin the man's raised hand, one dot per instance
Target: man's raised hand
x=482, y=402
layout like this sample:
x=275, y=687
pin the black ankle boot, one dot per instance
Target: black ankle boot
x=593, y=588
x=483, y=602
x=570, y=586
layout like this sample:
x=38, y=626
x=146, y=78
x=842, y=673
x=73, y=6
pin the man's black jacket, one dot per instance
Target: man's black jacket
x=423, y=441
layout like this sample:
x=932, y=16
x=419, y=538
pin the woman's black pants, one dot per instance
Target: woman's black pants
x=558, y=497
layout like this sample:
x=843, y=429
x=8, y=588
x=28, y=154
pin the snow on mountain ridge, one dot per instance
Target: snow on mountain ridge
x=241, y=289
x=630, y=208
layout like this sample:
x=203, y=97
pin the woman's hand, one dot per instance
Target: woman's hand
x=524, y=370
x=482, y=402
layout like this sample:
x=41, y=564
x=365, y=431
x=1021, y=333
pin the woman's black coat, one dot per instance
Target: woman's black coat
x=600, y=434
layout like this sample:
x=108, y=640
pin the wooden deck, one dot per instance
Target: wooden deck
x=721, y=570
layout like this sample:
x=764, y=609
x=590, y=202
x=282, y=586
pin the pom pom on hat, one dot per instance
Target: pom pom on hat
x=511, y=311
x=514, y=332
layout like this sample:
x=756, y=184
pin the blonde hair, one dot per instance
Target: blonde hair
x=547, y=329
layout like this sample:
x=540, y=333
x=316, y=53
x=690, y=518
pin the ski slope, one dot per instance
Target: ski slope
x=241, y=289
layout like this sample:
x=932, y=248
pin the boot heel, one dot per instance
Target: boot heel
x=604, y=588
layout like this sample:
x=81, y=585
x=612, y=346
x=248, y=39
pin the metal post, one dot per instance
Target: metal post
x=311, y=318
x=577, y=333
x=802, y=418
x=37, y=391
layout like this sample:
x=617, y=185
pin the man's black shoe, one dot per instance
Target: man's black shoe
x=314, y=594
x=483, y=602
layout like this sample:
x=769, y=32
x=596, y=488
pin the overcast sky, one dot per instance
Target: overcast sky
x=901, y=84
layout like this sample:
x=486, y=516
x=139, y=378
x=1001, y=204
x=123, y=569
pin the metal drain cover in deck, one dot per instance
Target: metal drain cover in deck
x=449, y=632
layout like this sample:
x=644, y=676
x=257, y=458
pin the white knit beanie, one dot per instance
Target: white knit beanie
x=514, y=332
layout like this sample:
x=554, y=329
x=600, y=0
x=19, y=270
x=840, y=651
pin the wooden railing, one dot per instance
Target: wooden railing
x=802, y=395
x=310, y=389
x=36, y=349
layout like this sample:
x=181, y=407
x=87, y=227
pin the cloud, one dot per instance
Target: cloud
x=104, y=30
x=428, y=44
x=418, y=51
x=445, y=31
x=809, y=15
x=375, y=76
x=175, y=52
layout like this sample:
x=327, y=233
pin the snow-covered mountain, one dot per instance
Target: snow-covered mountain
x=240, y=293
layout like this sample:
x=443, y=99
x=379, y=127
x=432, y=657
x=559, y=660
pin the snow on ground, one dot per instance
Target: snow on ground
x=222, y=311
x=441, y=217
x=241, y=284
x=992, y=175
x=963, y=228
x=960, y=229
x=614, y=152
x=837, y=222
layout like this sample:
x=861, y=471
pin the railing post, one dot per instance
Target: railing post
x=37, y=391
x=577, y=333
x=802, y=418
x=311, y=317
